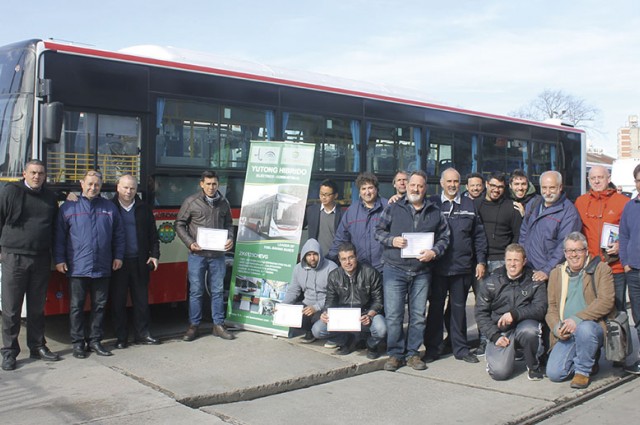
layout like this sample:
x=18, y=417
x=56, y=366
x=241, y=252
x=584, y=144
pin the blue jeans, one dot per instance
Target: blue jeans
x=397, y=285
x=633, y=283
x=576, y=354
x=377, y=330
x=213, y=269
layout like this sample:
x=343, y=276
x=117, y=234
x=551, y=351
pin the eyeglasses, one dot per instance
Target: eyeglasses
x=497, y=187
x=574, y=251
x=326, y=195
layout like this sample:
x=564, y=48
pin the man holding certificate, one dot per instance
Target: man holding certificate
x=410, y=222
x=205, y=226
x=353, y=304
x=599, y=208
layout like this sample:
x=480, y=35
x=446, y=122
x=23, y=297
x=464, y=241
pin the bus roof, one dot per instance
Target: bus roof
x=200, y=62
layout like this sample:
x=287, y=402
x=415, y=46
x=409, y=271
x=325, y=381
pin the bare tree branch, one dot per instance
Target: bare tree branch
x=558, y=104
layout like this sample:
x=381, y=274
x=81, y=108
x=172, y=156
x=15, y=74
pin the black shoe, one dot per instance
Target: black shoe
x=78, y=352
x=430, y=358
x=469, y=358
x=534, y=374
x=99, y=349
x=9, y=363
x=121, y=345
x=446, y=347
x=347, y=347
x=148, y=340
x=634, y=368
x=372, y=353
x=482, y=348
x=308, y=338
x=44, y=353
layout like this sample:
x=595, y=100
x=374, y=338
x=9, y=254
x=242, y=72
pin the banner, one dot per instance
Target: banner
x=269, y=229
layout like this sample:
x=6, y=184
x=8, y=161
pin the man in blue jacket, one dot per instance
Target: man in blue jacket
x=358, y=224
x=464, y=259
x=409, y=276
x=89, y=245
x=545, y=225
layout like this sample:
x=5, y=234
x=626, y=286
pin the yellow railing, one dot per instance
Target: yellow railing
x=70, y=167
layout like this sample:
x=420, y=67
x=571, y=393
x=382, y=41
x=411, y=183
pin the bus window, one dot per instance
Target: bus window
x=333, y=137
x=464, y=153
x=171, y=191
x=440, y=155
x=543, y=158
x=516, y=155
x=391, y=148
x=237, y=128
x=109, y=143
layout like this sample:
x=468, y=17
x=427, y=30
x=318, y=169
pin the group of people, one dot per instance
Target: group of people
x=544, y=277
x=107, y=249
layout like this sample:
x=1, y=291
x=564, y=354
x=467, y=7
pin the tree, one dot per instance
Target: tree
x=558, y=104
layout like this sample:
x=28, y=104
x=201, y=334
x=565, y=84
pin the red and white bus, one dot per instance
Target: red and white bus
x=165, y=115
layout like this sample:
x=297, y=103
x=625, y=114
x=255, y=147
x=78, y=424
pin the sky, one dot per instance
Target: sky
x=490, y=56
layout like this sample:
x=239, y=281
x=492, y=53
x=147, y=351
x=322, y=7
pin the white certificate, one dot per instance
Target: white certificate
x=344, y=319
x=609, y=235
x=288, y=315
x=212, y=239
x=416, y=242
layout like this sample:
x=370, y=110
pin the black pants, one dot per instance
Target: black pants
x=98, y=290
x=128, y=279
x=458, y=288
x=23, y=275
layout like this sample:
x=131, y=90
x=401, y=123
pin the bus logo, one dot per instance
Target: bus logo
x=166, y=232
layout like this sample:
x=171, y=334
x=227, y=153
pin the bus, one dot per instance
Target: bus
x=276, y=216
x=164, y=115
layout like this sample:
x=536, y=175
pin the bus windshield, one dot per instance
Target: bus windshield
x=16, y=100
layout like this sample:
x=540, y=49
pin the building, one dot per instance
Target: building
x=629, y=139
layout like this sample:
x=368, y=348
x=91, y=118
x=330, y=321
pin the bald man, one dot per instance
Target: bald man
x=600, y=205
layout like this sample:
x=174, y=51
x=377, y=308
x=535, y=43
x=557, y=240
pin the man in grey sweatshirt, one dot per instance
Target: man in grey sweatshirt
x=309, y=285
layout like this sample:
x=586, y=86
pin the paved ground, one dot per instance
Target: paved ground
x=258, y=379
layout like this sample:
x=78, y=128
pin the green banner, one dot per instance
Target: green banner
x=269, y=229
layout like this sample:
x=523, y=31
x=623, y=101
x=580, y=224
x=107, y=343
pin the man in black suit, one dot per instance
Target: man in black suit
x=322, y=221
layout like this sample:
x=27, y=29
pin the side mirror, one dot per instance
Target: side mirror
x=51, y=115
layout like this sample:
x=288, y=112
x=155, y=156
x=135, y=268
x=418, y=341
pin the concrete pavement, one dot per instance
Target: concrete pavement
x=259, y=379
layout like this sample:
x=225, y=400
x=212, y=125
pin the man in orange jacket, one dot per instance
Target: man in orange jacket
x=599, y=206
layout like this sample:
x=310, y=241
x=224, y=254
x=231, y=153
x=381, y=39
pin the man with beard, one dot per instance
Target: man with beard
x=475, y=186
x=522, y=191
x=409, y=279
x=545, y=225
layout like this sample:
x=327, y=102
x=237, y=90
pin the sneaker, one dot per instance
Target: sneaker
x=534, y=374
x=330, y=344
x=579, y=381
x=392, y=364
x=308, y=338
x=191, y=334
x=416, y=363
x=634, y=368
x=482, y=348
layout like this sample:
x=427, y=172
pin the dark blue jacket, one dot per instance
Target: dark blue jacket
x=543, y=231
x=468, y=241
x=89, y=236
x=398, y=218
x=358, y=226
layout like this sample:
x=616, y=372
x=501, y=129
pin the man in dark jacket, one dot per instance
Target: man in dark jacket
x=27, y=213
x=89, y=245
x=409, y=275
x=521, y=190
x=323, y=221
x=142, y=250
x=464, y=259
x=354, y=285
x=358, y=224
x=546, y=223
x=206, y=209
x=510, y=309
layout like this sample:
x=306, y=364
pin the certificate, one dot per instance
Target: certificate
x=212, y=239
x=609, y=235
x=416, y=242
x=344, y=319
x=288, y=315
